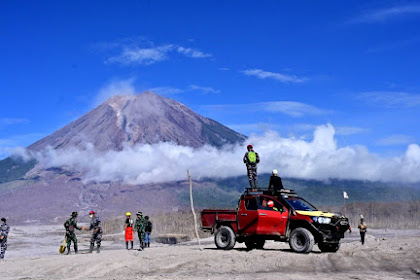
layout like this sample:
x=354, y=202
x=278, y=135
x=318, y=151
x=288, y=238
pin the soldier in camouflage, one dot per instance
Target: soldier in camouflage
x=140, y=227
x=95, y=224
x=4, y=232
x=70, y=225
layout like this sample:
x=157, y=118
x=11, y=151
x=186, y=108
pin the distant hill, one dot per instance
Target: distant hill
x=215, y=193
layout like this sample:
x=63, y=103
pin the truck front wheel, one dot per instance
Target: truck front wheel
x=225, y=238
x=301, y=240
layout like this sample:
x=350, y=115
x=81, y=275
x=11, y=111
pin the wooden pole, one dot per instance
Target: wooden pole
x=192, y=209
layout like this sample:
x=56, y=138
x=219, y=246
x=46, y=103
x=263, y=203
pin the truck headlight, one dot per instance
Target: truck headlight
x=322, y=220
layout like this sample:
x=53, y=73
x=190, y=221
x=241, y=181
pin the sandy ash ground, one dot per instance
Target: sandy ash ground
x=33, y=254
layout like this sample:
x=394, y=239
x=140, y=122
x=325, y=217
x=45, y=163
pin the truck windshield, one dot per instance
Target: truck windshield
x=299, y=204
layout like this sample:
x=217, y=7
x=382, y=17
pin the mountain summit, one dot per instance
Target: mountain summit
x=146, y=118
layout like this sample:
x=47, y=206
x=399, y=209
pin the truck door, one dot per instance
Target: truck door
x=248, y=216
x=272, y=217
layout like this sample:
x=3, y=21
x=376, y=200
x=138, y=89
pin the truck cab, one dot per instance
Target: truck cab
x=282, y=216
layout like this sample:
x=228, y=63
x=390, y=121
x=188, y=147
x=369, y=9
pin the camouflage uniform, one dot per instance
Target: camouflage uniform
x=70, y=225
x=4, y=231
x=140, y=227
x=95, y=224
x=251, y=168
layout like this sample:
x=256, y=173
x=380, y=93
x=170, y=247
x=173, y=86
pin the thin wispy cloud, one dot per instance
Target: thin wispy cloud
x=12, y=121
x=192, y=52
x=203, y=89
x=386, y=14
x=350, y=130
x=392, y=99
x=291, y=108
x=165, y=90
x=284, y=78
x=395, y=140
x=140, y=55
x=117, y=87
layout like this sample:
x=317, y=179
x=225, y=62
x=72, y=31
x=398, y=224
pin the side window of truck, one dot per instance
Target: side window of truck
x=251, y=204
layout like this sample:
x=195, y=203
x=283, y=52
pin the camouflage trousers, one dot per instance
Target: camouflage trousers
x=71, y=236
x=3, y=248
x=252, y=175
x=96, y=236
x=141, y=235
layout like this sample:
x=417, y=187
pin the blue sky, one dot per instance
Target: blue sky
x=287, y=66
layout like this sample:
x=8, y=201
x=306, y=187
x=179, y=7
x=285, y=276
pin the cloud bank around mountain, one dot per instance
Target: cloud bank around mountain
x=320, y=158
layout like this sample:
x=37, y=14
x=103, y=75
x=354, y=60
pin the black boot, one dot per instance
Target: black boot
x=75, y=248
x=68, y=250
x=148, y=245
x=98, y=248
x=91, y=247
x=132, y=244
x=126, y=245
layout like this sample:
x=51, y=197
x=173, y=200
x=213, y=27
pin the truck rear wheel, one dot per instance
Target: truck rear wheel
x=329, y=247
x=301, y=240
x=225, y=238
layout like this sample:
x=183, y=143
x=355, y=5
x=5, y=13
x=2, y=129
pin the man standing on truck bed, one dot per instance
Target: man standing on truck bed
x=251, y=159
x=275, y=184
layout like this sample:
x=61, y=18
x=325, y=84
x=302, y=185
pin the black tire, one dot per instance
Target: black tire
x=254, y=244
x=225, y=238
x=250, y=244
x=301, y=240
x=329, y=247
x=260, y=244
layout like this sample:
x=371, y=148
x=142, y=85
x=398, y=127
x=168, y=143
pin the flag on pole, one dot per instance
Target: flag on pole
x=346, y=196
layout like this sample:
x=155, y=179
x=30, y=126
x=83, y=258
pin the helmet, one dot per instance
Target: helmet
x=139, y=213
x=3, y=220
x=275, y=172
x=74, y=214
x=249, y=146
x=270, y=203
x=91, y=212
x=147, y=217
x=128, y=214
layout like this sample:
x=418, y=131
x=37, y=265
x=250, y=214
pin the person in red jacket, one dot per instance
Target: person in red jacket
x=128, y=227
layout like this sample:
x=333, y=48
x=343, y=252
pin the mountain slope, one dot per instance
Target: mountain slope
x=146, y=118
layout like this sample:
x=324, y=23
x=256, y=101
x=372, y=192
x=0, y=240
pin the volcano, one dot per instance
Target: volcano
x=30, y=190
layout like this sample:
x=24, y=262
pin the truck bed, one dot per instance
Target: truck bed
x=210, y=216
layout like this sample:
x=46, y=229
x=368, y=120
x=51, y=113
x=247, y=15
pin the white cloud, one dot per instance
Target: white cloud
x=386, y=14
x=141, y=56
x=284, y=78
x=204, y=89
x=192, y=52
x=397, y=139
x=136, y=55
x=320, y=158
x=392, y=99
x=117, y=87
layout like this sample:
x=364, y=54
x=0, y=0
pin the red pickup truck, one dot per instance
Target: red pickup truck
x=263, y=215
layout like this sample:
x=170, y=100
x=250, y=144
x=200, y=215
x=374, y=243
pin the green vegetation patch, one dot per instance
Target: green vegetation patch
x=13, y=169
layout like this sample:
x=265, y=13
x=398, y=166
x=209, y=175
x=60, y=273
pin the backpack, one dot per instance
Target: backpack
x=252, y=157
